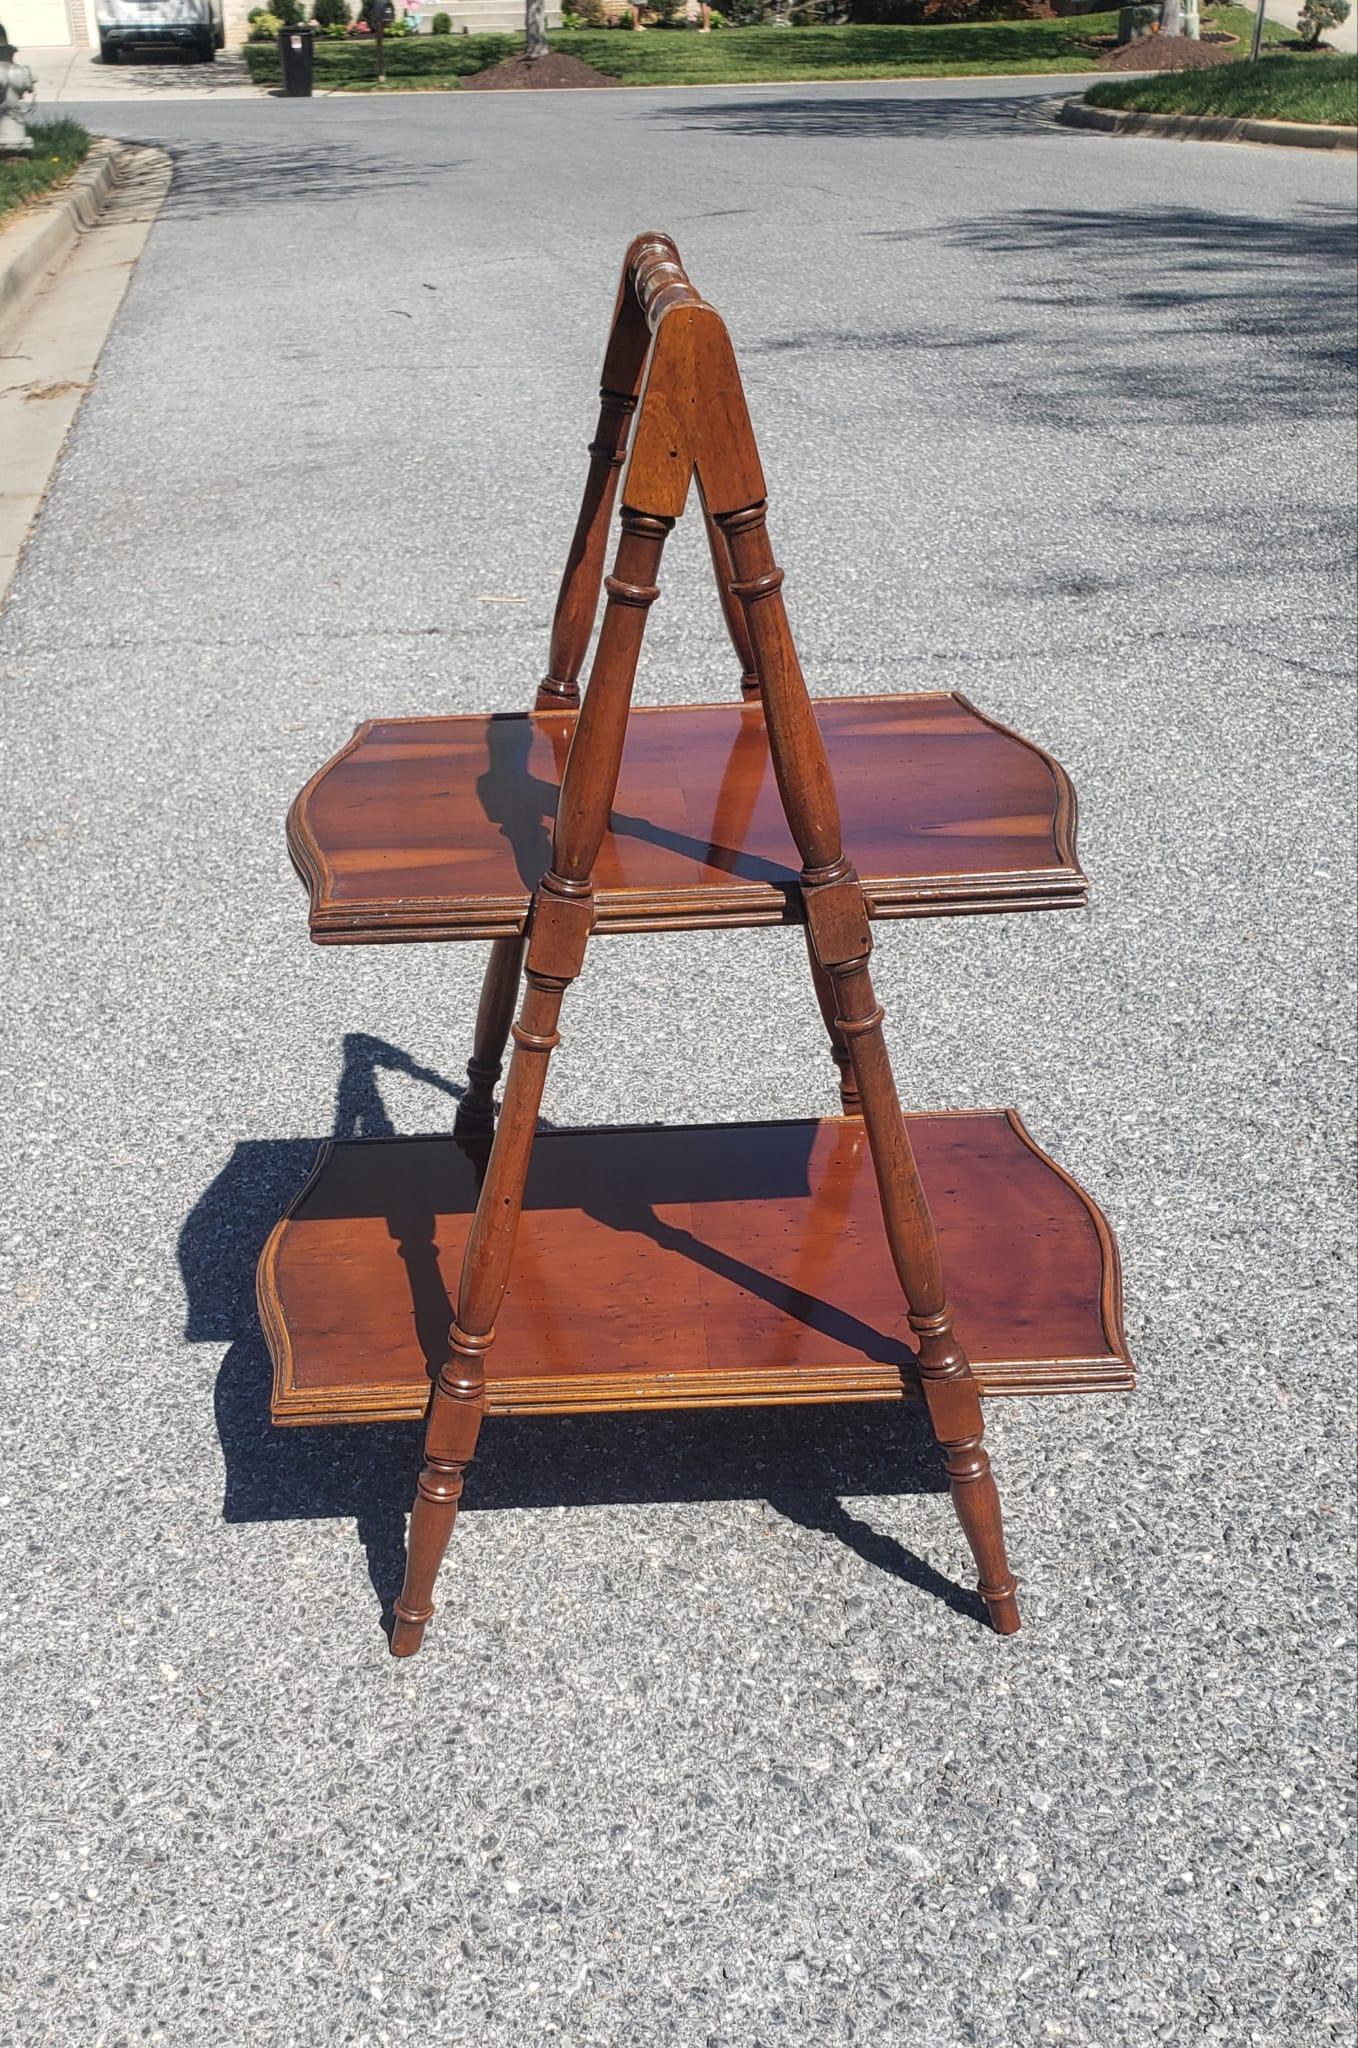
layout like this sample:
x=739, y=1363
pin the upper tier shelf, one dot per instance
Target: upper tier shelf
x=440, y=828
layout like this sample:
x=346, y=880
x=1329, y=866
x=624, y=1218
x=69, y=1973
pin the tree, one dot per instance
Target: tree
x=535, y=30
x=1319, y=15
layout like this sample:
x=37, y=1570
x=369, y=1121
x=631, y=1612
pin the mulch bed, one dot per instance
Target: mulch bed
x=1172, y=53
x=516, y=74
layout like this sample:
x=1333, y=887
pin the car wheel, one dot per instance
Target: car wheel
x=108, y=52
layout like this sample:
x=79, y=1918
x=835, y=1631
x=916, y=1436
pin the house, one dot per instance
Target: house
x=68, y=24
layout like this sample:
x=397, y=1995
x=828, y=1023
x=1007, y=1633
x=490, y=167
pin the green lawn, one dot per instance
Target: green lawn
x=739, y=56
x=1320, y=88
x=58, y=146
x=736, y=56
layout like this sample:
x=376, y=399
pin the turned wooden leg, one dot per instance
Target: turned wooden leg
x=840, y=945
x=494, y=1015
x=977, y=1501
x=839, y=1051
x=559, y=926
x=737, y=630
x=954, y=1406
x=579, y=596
x=946, y=1379
x=450, y=1442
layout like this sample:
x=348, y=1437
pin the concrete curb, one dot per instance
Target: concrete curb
x=64, y=278
x=1204, y=127
x=42, y=237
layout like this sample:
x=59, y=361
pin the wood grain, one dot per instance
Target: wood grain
x=440, y=828
x=756, y=1271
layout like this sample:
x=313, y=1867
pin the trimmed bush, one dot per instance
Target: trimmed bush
x=354, y=61
x=947, y=13
x=331, y=13
x=441, y=25
x=1318, y=17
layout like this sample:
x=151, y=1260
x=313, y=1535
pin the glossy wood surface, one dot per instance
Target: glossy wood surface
x=868, y=1257
x=688, y=1267
x=441, y=827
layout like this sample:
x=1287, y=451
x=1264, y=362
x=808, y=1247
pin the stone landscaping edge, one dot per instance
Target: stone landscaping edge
x=1205, y=127
x=41, y=235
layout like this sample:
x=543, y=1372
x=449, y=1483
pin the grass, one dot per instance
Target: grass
x=1321, y=88
x=58, y=146
x=738, y=56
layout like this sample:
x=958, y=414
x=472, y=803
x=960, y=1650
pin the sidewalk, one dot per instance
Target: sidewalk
x=67, y=75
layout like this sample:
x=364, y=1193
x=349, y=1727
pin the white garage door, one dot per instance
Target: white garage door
x=33, y=24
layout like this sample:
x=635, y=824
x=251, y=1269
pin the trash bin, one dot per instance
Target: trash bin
x=297, y=48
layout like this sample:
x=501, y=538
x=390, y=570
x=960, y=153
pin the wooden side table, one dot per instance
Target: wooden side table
x=496, y=1270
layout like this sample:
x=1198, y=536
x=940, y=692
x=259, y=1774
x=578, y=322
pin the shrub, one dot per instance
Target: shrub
x=1317, y=17
x=590, y=13
x=666, y=13
x=353, y=61
x=442, y=25
x=331, y=14
x=937, y=12
x=289, y=13
x=264, y=28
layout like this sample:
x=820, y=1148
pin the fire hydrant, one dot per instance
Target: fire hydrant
x=16, y=85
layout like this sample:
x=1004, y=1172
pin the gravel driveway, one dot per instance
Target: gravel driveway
x=704, y=1750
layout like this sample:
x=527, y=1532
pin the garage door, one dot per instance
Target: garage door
x=33, y=24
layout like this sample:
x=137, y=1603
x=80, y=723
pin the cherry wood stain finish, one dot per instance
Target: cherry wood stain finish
x=440, y=828
x=752, y=1275
x=785, y=1262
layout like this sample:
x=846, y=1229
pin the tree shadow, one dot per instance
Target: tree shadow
x=798, y=1459
x=141, y=71
x=237, y=176
x=1164, y=314
x=894, y=113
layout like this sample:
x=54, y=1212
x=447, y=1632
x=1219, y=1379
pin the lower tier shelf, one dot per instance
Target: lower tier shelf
x=686, y=1268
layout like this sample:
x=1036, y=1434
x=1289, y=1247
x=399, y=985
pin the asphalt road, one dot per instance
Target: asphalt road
x=699, y=1753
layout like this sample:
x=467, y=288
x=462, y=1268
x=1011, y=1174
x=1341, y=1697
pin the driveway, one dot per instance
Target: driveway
x=704, y=1747
x=66, y=75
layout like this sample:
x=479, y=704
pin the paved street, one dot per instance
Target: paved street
x=704, y=1751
